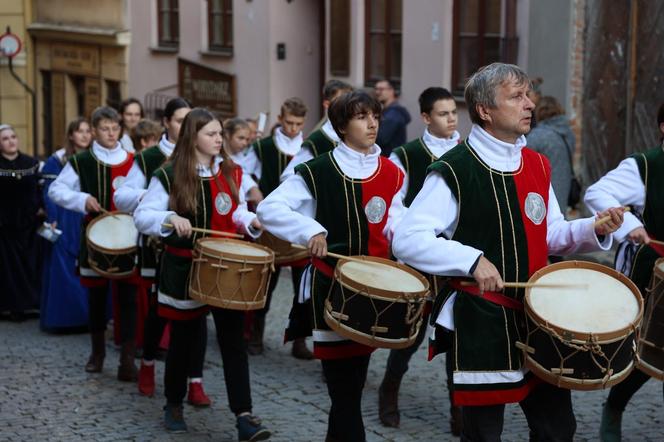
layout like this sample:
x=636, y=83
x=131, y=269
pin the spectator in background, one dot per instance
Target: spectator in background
x=554, y=138
x=131, y=112
x=253, y=130
x=395, y=118
x=64, y=302
x=146, y=134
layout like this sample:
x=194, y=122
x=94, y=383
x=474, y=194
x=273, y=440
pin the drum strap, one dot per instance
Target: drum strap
x=494, y=297
x=177, y=251
x=323, y=267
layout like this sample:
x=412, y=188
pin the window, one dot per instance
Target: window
x=340, y=37
x=382, y=49
x=168, y=23
x=484, y=32
x=220, y=25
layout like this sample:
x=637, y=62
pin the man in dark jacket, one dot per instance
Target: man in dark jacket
x=392, y=130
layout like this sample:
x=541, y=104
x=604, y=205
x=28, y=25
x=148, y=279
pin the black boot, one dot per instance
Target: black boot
x=127, y=370
x=388, y=401
x=300, y=350
x=255, y=345
x=96, y=360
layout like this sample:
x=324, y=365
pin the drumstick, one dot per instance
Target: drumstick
x=606, y=218
x=654, y=241
x=106, y=212
x=333, y=255
x=525, y=285
x=211, y=232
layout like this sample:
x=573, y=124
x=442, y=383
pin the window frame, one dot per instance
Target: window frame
x=173, y=41
x=388, y=32
x=227, y=11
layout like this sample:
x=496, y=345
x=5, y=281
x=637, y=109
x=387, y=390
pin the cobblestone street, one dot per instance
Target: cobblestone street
x=46, y=395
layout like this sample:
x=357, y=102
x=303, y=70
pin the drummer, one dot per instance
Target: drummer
x=173, y=197
x=487, y=211
x=266, y=160
x=127, y=198
x=636, y=182
x=86, y=185
x=439, y=114
x=346, y=199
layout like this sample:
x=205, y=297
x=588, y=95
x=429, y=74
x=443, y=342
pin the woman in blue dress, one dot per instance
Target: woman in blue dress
x=64, y=303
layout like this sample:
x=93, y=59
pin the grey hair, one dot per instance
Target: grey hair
x=481, y=86
x=5, y=127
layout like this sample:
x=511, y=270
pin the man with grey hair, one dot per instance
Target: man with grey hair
x=487, y=213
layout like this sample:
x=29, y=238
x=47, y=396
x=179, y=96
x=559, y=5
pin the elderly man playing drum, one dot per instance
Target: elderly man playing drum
x=637, y=182
x=487, y=211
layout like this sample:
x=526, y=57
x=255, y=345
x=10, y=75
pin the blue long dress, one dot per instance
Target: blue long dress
x=64, y=302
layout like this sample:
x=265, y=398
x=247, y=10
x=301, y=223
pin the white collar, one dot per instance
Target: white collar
x=165, y=146
x=289, y=146
x=127, y=143
x=498, y=155
x=354, y=164
x=111, y=157
x=329, y=131
x=439, y=146
x=204, y=171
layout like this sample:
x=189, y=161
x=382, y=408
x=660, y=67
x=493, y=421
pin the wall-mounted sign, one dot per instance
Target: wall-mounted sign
x=75, y=59
x=10, y=44
x=205, y=87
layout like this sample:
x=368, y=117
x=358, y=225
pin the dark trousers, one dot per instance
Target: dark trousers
x=97, y=300
x=548, y=410
x=345, y=381
x=233, y=347
x=621, y=393
x=296, y=275
x=187, y=347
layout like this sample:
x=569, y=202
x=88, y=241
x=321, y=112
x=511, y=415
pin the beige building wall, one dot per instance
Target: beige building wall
x=262, y=81
x=15, y=101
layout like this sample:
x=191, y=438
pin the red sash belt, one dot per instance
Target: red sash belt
x=178, y=251
x=323, y=267
x=494, y=297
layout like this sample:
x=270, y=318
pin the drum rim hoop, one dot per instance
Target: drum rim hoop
x=233, y=257
x=103, y=249
x=574, y=383
x=354, y=285
x=649, y=369
x=585, y=336
x=659, y=267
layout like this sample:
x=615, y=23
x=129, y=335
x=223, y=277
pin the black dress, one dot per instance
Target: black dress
x=19, y=202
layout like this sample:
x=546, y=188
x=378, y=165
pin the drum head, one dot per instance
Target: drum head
x=381, y=276
x=659, y=267
x=113, y=231
x=606, y=304
x=234, y=247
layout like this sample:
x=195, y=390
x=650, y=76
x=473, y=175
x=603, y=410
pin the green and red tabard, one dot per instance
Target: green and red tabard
x=214, y=210
x=273, y=163
x=354, y=212
x=318, y=143
x=503, y=214
x=415, y=157
x=100, y=180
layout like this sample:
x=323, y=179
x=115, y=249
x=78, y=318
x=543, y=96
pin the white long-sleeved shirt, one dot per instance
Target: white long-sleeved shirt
x=435, y=210
x=152, y=211
x=288, y=146
x=127, y=197
x=289, y=211
x=437, y=146
x=127, y=143
x=65, y=191
x=305, y=155
x=620, y=187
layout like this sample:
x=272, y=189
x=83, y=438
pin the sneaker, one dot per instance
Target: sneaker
x=249, y=429
x=173, y=419
x=197, y=396
x=146, y=380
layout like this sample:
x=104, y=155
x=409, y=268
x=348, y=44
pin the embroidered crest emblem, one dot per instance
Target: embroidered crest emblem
x=223, y=203
x=535, y=208
x=118, y=181
x=375, y=209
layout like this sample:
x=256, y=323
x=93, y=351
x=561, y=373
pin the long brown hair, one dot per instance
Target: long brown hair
x=73, y=126
x=183, y=199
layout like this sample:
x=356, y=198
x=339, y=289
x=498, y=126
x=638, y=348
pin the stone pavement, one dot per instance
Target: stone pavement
x=45, y=395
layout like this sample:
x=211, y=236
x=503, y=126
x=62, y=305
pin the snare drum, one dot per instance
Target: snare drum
x=651, y=343
x=581, y=337
x=284, y=252
x=112, y=241
x=230, y=274
x=376, y=302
